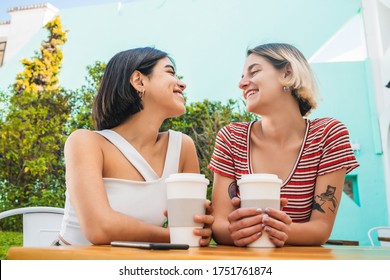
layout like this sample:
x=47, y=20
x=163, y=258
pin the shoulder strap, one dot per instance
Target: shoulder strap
x=172, y=158
x=130, y=153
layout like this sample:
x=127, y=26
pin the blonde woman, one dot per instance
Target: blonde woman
x=310, y=156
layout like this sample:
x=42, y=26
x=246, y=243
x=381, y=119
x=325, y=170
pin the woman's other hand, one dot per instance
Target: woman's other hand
x=276, y=224
x=206, y=219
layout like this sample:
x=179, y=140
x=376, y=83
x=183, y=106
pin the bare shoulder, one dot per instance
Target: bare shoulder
x=188, y=156
x=187, y=140
x=187, y=144
x=82, y=139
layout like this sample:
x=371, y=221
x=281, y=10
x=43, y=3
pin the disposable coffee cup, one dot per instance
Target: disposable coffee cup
x=186, y=196
x=260, y=191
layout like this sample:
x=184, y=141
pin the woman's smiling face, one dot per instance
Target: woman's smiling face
x=165, y=88
x=261, y=83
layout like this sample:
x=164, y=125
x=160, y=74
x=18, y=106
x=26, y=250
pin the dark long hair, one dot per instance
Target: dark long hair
x=117, y=99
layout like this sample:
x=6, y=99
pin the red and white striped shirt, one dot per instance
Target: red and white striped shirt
x=326, y=148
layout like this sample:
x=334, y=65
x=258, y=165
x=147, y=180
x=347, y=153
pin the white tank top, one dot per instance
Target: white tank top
x=143, y=200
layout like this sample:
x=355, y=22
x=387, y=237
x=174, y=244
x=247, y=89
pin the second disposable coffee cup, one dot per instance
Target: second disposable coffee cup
x=186, y=194
x=260, y=191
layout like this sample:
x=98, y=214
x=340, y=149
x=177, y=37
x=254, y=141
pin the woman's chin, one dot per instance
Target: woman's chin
x=178, y=112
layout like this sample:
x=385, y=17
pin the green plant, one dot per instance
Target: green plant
x=81, y=100
x=8, y=239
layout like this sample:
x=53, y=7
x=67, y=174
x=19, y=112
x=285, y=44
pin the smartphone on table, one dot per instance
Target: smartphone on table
x=150, y=245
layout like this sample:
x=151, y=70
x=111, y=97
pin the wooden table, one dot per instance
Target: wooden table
x=382, y=238
x=207, y=253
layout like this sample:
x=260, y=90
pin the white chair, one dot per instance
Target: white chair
x=41, y=225
x=382, y=234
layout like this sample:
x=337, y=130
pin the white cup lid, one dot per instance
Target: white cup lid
x=259, y=177
x=187, y=177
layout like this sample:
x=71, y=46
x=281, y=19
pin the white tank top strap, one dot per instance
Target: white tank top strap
x=173, y=153
x=132, y=155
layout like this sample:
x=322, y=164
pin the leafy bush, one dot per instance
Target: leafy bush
x=8, y=239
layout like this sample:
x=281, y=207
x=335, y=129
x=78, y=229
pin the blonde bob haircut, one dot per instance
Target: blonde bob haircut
x=302, y=83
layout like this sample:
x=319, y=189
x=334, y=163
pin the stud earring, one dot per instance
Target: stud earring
x=286, y=88
x=141, y=93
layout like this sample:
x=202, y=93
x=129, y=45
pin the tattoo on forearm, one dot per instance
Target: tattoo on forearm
x=326, y=199
x=233, y=190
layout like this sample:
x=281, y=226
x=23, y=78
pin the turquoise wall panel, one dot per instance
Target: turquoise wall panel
x=346, y=96
x=208, y=39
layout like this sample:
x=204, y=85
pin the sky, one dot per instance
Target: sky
x=60, y=4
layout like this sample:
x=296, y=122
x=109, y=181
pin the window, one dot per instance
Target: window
x=2, y=52
x=351, y=188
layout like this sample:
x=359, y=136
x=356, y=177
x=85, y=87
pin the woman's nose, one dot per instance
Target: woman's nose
x=181, y=84
x=243, y=83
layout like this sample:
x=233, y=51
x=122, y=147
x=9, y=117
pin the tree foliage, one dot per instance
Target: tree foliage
x=33, y=131
x=81, y=99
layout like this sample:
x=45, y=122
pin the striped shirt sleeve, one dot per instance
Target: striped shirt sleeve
x=337, y=150
x=222, y=159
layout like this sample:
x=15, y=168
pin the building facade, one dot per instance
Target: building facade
x=25, y=22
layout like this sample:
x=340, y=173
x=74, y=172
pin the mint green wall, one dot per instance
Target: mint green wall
x=208, y=40
x=346, y=88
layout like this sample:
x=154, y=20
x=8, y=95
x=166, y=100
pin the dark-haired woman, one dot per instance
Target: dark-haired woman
x=310, y=156
x=115, y=175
